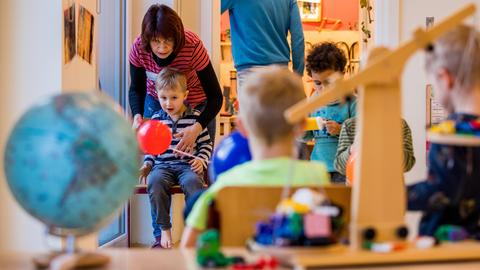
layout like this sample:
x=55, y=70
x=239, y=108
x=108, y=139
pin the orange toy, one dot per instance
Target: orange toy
x=350, y=167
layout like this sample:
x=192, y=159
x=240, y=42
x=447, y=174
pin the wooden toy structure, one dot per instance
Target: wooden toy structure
x=378, y=196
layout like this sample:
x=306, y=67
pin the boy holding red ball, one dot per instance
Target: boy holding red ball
x=163, y=171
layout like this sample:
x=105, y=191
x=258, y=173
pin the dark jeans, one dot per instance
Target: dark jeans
x=191, y=202
x=337, y=178
x=303, y=153
x=152, y=105
x=159, y=181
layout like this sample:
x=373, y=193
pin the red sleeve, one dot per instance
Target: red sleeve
x=200, y=57
x=134, y=56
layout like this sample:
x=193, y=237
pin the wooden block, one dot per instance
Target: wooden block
x=317, y=225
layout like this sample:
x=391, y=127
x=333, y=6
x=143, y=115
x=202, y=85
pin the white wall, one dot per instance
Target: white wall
x=412, y=16
x=386, y=26
x=88, y=81
x=30, y=55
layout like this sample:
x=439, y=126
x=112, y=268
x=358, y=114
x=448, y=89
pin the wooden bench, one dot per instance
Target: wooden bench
x=142, y=189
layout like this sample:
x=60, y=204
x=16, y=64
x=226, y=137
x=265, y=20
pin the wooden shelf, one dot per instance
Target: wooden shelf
x=453, y=139
x=342, y=256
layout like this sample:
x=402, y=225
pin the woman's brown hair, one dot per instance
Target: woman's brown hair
x=161, y=20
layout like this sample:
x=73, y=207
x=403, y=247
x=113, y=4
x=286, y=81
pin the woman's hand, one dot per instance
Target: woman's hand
x=333, y=128
x=197, y=166
x=137, y=121
x=188, y=137
x=144, y=171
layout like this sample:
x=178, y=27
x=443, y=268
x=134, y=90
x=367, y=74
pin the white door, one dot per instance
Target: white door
x=111, y=81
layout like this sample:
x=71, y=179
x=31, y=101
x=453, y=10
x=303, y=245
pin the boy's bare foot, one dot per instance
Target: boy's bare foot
x=166, y=241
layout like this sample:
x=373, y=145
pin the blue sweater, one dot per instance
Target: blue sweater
x=326, y=145
x=259, y=30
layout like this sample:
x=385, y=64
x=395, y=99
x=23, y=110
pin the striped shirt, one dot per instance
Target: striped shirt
x=203, y=145
x=347, y=136
x=191, y=58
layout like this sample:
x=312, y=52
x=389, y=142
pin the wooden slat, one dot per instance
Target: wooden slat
x=142, y=189
x=459, y=252
x=454, y=139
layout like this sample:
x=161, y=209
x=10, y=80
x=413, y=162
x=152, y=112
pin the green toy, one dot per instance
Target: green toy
x=450, y=233
x=208, y=250
x=295, y=225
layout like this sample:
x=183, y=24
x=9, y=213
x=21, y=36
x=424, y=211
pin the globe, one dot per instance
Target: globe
x=72, y=160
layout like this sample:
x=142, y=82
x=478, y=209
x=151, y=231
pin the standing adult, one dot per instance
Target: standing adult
x=164, y=42
x=259, y=30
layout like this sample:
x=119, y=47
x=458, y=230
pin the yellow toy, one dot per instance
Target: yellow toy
x=446, y=127
x=312, y=123
x=289, y=206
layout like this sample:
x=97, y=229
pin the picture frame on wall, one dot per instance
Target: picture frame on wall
x=310, y=10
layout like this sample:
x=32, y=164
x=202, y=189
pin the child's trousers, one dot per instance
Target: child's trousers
x=159, y=181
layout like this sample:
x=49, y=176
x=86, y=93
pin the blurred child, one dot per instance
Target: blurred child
x=347, y=145
x=267, y=93
x=451, y=193
x=163, y=171
x=324, y=62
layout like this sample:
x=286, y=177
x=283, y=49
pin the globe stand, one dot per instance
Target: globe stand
x=70, y=257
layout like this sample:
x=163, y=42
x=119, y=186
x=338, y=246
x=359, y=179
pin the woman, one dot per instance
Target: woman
x=164, y=42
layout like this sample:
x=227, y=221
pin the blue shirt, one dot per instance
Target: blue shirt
x=325, y=147
x=259, y=30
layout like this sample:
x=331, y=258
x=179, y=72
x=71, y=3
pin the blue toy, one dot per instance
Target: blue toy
x=289, y=229
x=232, y=151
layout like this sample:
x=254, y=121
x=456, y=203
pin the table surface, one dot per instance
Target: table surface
x=146, y=259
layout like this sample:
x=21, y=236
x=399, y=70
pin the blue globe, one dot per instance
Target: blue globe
x=72, y=160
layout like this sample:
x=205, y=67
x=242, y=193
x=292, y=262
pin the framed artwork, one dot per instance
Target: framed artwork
x=310, y=10
x=85, y=34
x=69, y=35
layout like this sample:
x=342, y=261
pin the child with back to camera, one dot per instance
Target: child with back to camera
x=451, y=193
x=267, y=93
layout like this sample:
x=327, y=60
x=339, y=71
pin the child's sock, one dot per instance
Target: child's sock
x=166, y=240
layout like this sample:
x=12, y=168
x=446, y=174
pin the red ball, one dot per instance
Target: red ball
x=154, y=137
